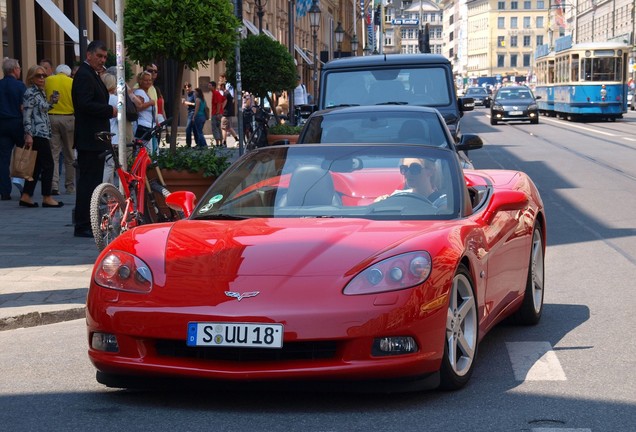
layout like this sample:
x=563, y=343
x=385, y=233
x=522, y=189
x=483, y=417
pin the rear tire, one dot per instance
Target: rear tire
x=462, y=327
x=107, y=213
x=530, y=311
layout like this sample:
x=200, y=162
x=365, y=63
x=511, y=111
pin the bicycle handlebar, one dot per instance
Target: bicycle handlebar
x=154, y=131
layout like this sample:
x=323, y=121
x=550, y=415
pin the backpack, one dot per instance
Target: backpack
x=131, y=109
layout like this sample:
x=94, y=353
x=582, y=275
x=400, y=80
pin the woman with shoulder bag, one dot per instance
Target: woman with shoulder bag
x=37, y=133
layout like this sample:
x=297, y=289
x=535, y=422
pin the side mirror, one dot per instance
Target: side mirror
x=469, y=142
x=506, y=200
x=466, y=103
x=537, y=97
x=181, y=201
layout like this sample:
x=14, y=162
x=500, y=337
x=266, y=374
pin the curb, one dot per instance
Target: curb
x=34, y=319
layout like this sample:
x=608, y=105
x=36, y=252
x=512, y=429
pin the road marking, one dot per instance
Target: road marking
x=569, y=124
x=534, y=361
x=629, y=139
x=560, y=430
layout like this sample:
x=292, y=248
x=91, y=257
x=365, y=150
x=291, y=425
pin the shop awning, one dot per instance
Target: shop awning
x=104, y=17
x=250, y=26
x=60, y=19
x=303, y=55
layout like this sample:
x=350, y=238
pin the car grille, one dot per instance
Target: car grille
x=319, y=350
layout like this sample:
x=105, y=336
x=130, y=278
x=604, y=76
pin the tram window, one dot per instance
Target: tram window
x=574, y=68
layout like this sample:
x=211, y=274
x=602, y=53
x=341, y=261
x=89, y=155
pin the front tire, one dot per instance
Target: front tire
x=107, y=213
x=460, y=342
x=530, y=311
x=493, y=121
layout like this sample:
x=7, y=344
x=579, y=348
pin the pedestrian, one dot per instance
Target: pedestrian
x=47, y=65
x=92, y=115
x=200, y=117
x=228, y=85
x=37, y=133
x=153, y=70
x=216, y=112
x=11, y=127
x=63, y=127
x=189, y=100
x=228, y=116
x=161, y=117
x=147, y=109
x=110, y=81
x=300, y=93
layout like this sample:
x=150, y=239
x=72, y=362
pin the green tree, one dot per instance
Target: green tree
x=266, y=65
x=189, y=32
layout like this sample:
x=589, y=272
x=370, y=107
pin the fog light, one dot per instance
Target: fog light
x=105, y=342
x=396, y=345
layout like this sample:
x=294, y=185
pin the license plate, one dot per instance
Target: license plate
x=250, y=335
x=516, y=112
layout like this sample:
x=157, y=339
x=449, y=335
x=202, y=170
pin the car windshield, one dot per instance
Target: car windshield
x=377, y=127
x=382, y=182
x=476, y=91
x=508, y=94
x=412, y=86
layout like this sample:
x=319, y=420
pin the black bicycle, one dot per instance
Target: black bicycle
x=258, y=137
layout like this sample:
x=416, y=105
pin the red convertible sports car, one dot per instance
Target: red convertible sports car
x=377, y=265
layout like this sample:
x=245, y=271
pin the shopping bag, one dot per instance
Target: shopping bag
x=23, y=163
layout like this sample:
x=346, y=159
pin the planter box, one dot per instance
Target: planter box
x=184, y=180
x=271, y=139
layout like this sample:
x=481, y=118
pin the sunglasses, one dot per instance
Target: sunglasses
x=151, y=70
x=414, y=169
x=40, y=75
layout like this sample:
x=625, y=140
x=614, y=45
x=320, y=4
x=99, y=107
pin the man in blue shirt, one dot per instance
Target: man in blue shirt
x=11, y=128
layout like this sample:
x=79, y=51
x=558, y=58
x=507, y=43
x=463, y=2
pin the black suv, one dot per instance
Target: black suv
x=395, y=79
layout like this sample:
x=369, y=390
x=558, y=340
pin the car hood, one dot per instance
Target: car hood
x=279, y=247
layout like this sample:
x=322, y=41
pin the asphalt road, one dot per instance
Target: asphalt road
x=572, y=372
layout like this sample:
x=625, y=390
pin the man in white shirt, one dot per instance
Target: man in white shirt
x=300, y=93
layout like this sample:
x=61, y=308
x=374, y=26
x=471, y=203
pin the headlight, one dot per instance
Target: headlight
x=395, y=273
x=533, y=107
x=125, y=272
x=497, y=107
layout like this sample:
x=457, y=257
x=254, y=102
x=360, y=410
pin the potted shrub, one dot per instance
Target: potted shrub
x=283, y=131
x=191, y=169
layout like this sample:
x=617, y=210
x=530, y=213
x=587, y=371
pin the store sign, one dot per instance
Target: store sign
x=405, y=21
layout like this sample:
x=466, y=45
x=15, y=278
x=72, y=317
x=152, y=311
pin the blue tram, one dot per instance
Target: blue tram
x=583, y=80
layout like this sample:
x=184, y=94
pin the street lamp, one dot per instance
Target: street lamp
x=314, y=21
x=260, y=4
x=339, y=32
x=367, y=50
x=354, y=44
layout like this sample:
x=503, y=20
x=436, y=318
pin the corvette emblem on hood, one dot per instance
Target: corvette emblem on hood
x=240, y=296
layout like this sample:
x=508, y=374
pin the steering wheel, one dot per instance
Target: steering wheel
x=405, y=203
x=412, y=195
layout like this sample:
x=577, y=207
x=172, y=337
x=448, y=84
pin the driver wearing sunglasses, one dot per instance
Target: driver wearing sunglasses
x=420, y=178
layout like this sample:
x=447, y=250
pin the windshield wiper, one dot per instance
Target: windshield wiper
x=393, y=103
x=342, y=105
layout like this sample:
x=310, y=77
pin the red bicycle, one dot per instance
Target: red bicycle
x=112, y=212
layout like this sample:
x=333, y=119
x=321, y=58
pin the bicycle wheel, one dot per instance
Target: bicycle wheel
x=107, y=212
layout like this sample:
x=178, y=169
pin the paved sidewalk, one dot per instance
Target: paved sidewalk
x=44, y=270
